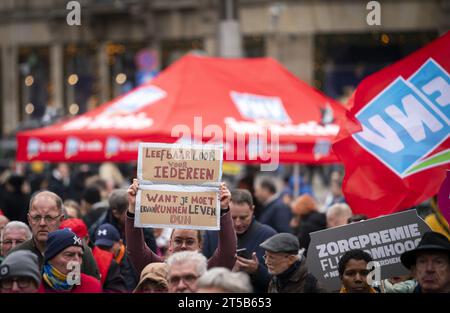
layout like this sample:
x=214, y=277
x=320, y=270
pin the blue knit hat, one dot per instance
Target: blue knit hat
x=58, y=241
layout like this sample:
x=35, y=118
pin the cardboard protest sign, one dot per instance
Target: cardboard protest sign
x=384, y=238
x=178, y=207
x=179, y=186
x=179, y=164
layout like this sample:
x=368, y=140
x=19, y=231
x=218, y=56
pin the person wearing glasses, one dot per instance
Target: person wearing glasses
x=184, y=268
x=19, y=273
x=288, y=269
x=181, y=239
x=14, y=234
x=45, y=215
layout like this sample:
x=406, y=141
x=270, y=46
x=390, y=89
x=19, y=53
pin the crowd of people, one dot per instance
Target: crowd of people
x=75, y=233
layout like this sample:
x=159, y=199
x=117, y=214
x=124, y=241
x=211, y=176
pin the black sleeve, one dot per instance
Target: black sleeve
x=150, y=239
x=114, y=281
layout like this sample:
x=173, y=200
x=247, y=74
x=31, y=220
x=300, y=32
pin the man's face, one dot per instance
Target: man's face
x=115, y=249
x=62, y=259
x=44, y=217
x=354, y=277
x=432, y=271
x=242, y=215
x=18, y=285
x=184, y=240
x=71, y=212
x=150, y=286
x=261, y=194
x=277, y=263
x=11, y=238
x=120, y=216
x=334, y=220
x=183, y=277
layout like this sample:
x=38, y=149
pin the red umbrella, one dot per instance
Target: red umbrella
x=238, y=102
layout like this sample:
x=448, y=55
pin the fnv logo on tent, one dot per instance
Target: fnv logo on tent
x=75, y=145
x=408, y=120
x=36, y=147
x=115, y=145
x=258, y=107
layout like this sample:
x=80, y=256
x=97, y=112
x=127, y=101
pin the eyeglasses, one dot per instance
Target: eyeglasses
x=22, y=282
x=274, y=257
x=188, y=279
x=10, y=242
x=179, y=242
x=47, y=219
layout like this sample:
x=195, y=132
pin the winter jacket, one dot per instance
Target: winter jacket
x=140, y=254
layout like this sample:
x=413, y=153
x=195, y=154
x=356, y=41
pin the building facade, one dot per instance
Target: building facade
x=49, y=68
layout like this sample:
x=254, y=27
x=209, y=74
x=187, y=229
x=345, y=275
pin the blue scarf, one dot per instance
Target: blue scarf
x=55, y=279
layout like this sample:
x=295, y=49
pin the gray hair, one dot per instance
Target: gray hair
x=340, y=209
x=186, y=257
x=58, y=200
x=223, y=278
x=118, y=200
x=17, y=225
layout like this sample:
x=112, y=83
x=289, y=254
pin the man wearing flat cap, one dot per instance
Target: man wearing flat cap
x=430, y=263
x=288, y=269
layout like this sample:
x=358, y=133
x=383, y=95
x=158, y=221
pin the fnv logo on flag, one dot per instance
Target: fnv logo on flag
x=395, y=142
x=408, y=120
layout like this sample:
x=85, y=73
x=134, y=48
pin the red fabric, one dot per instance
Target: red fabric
x=103, y=259
x=369, y=186
x=196, y=86
x=76, y=225
x=140, y=254
x=88, y=284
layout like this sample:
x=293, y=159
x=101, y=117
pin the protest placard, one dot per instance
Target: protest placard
x=179, y=186
x=384, y=238
x=178, y=207
x=180, y=164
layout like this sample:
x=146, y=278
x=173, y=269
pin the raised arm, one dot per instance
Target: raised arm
x=225, y=254
x=139, y=253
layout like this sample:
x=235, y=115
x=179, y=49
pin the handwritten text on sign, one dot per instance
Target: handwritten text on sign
x=180, y=165
x=178, y=207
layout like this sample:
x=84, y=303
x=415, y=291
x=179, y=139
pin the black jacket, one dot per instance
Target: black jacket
x=256, y=234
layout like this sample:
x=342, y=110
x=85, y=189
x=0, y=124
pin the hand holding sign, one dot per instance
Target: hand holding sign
x=225, y=196
x=132, y=192
x=179, y=186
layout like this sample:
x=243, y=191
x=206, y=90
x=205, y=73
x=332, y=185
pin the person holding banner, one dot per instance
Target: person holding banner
x=181, y=239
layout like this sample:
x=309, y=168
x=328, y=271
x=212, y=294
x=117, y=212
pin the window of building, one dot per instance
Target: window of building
x=172, y=50
x=81, y=89
x=34, y=82
x=254, y=46
x=341, y=61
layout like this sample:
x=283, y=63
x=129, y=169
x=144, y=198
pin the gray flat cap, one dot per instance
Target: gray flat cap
x=21, y=263
x=283, y=242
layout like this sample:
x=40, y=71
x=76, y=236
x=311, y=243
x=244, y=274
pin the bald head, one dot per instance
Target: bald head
x=47, y=196
x=338, y=214
x=44, y=216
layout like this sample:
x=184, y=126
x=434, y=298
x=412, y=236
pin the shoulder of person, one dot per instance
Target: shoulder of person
x=89, y=281
x=26, y=245
x=264, y=229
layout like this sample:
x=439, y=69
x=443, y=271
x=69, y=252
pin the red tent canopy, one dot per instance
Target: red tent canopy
x=238, y=102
